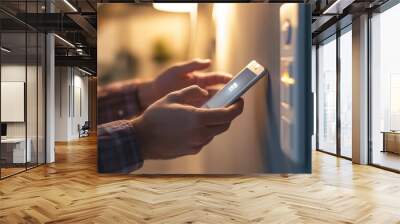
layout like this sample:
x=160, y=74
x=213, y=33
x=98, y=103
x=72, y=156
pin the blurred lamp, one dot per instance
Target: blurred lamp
x=176, y=7
x=286, y=79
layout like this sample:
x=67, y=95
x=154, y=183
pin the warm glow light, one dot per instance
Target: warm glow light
x=221, y=16
x=286, y=79
x=220, y=11
x=176, y=7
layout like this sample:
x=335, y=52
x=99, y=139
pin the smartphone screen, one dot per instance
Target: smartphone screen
x=246, y=78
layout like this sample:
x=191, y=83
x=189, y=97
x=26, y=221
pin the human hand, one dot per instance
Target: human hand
x=175, y=126
x=180, y=76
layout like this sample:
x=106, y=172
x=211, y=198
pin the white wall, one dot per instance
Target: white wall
x=33, y=127
x=61, y=103
x=70, y=83
x=80, y=103
x=14, y=73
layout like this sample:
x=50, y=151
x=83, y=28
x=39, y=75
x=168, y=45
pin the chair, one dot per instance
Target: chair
x=84, y=130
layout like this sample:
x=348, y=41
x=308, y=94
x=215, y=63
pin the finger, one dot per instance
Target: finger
x=212, y=91
x=192, y=95
x=220, y=115
x=211, y=78
x=191, y=66
x=117, y=87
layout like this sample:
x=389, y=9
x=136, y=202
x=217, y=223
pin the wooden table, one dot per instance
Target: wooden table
x=391, y=141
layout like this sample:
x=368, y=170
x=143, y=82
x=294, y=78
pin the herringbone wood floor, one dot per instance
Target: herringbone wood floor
x=70, y=191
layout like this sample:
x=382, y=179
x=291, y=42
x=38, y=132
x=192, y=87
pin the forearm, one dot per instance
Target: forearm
x=146, y=94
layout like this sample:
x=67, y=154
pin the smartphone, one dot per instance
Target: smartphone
x=235, y=88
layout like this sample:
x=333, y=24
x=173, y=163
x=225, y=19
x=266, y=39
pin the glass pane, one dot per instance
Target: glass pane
x=346, y=94
x=31, y=98
x=41, y=98
x=327, y=97
x=385, y=84
x=13, y=86
x=314, y=91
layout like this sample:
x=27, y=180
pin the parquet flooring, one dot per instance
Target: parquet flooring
x=10, y=171
x=70, y=191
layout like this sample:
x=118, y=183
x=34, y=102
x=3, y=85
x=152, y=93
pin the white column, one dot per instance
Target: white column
x=50, y=100
x=360, y=90
x=50, y=92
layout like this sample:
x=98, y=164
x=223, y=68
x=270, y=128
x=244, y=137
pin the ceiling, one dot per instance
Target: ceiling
x=332, y=15
x=73, y=20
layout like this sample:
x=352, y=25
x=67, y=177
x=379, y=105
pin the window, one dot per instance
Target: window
x=334, y=94
x=327, y=96
x=22, y=76
x=385, y=89
x=346, y=93
x=314, y=91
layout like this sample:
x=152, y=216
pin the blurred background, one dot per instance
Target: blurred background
x=140, y=40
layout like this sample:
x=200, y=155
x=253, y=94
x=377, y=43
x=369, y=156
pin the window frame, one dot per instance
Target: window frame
x=27, y=29
x=333, y=37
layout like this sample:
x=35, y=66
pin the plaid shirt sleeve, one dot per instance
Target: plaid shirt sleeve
x=118, y=151
x=117, y=147
x=118, y=101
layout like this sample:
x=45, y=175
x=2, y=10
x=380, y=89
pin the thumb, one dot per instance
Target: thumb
x=191, y=66
x=192, y=95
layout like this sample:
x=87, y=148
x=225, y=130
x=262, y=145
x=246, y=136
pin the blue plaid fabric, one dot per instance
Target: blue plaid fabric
x=117, y=148
x=118, y=101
